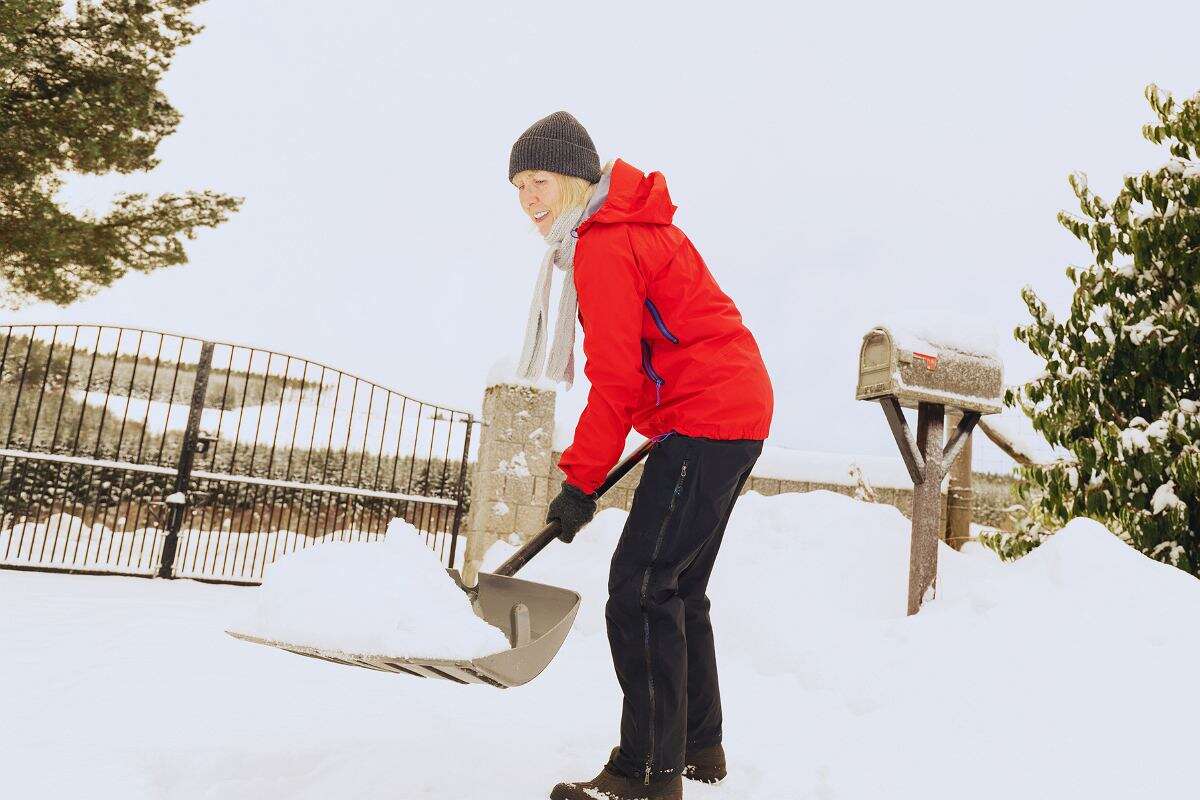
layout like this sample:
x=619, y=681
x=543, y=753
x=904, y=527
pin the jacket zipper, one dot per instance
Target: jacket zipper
x=658, y=322
x=648, y=368
x=662, y=533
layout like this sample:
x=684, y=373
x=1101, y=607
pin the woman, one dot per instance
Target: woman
x=667, y=354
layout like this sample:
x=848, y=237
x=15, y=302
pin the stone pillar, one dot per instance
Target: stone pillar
x=512, y=472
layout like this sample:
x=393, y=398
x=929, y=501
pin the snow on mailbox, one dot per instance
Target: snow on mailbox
x=914, y=370
x=901, y=369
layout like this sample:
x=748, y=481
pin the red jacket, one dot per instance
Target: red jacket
x=666, y=348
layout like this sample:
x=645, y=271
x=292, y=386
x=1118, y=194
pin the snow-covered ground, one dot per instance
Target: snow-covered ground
x=1066, y=674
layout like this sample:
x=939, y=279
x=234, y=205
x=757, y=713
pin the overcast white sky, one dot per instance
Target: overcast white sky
x=831, y=161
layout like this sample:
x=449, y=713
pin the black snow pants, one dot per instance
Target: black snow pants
x=657, y=612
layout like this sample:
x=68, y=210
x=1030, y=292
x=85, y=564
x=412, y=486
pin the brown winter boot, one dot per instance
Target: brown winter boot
x=611, y=786
x=707, y=765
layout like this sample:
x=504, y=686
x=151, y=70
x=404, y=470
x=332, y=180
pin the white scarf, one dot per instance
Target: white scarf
x=561, y=364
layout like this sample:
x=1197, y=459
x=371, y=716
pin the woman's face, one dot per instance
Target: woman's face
x=538, y=192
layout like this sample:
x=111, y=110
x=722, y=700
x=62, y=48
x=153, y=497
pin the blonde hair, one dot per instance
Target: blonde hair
x=572, y=192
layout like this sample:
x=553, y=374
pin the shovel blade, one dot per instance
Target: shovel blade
x=547, y=618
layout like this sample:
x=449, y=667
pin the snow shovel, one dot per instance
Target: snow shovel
x=536, y=618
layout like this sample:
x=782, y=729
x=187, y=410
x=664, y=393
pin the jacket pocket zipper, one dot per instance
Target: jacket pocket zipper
x=648, y=368
x=658, y=322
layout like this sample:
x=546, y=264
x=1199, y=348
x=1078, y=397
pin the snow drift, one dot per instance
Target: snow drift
x=390, y=597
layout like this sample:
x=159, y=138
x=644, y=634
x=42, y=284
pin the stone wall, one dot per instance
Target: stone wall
x=991, y=493
x=516, y=474
x=621, y=495
x=509, y=476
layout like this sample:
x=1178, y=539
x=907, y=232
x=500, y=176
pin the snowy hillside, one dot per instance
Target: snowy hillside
x=1052, y=677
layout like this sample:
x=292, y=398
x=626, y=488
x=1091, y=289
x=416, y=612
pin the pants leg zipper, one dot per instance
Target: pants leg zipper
x=662, y=532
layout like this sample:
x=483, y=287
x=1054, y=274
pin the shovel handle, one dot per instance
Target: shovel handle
x=543, y=537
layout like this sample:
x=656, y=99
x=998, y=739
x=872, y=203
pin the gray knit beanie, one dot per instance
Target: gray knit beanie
x=557, y=143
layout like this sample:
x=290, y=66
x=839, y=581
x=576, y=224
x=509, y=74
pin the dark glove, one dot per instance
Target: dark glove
x=573, y=509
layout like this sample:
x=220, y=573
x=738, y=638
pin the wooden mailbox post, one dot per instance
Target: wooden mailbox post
x=900, y=371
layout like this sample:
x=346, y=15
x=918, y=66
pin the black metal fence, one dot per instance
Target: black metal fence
x=131, y=451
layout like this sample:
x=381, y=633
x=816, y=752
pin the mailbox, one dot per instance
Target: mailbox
x=899, y=369
x=914, y=371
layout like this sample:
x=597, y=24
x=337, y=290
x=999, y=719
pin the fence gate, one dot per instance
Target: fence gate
x=135, y=452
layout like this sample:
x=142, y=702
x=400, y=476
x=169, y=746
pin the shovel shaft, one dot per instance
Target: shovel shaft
x=527, y=551
x=543, y=537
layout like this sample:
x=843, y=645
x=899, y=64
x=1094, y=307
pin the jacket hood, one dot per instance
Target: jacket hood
x=624, y=194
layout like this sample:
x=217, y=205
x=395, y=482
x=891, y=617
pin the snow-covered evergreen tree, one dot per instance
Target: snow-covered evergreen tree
x=1121, y=387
